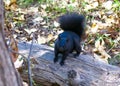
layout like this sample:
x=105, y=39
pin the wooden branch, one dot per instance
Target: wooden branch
x=81, y=71
x=8, y=74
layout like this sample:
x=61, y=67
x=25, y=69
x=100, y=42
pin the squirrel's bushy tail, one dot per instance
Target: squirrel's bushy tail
x=72, y=22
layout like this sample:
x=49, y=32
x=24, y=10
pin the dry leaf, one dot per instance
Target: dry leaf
x=50, y=37
x=94, y=28
x=94, y=4
x=107, y=5
x=25, y=84
x=10, y=4
x=14, y=47
x=41, y=40
x=56, y=24
x=13, y=7
x=99, y=49
x=20, y=18
x=18, y=63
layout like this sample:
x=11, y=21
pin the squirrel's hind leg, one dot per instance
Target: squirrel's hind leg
x=63, y=58
x=56, y=56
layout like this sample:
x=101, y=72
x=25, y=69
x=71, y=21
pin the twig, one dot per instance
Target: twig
x=28, y=60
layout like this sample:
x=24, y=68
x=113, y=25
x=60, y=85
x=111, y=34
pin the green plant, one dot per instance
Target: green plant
x=106, y=38
x=115, y=60
x=25, y=3
x=116, y=5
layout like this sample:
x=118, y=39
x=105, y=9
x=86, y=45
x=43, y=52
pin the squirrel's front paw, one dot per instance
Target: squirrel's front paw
x=76, y=55
x=55, y=60
x=62, y=63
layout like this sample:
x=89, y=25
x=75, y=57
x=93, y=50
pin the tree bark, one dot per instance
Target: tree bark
x=81, y=71
x=8, y=74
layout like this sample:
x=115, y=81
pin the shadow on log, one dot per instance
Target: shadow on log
x=81, y=71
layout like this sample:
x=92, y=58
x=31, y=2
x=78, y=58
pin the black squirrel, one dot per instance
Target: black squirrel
x=73, y=25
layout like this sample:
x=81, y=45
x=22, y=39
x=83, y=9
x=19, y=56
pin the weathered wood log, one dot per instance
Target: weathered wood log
x=81, y=71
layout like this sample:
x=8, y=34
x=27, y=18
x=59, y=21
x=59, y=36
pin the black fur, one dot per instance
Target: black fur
x=73, y=26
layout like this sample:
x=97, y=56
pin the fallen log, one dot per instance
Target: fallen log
x=81, y=71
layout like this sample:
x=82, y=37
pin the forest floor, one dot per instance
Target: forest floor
x=27, y=21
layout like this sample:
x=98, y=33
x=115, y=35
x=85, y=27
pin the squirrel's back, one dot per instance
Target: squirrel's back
x=72, y=22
